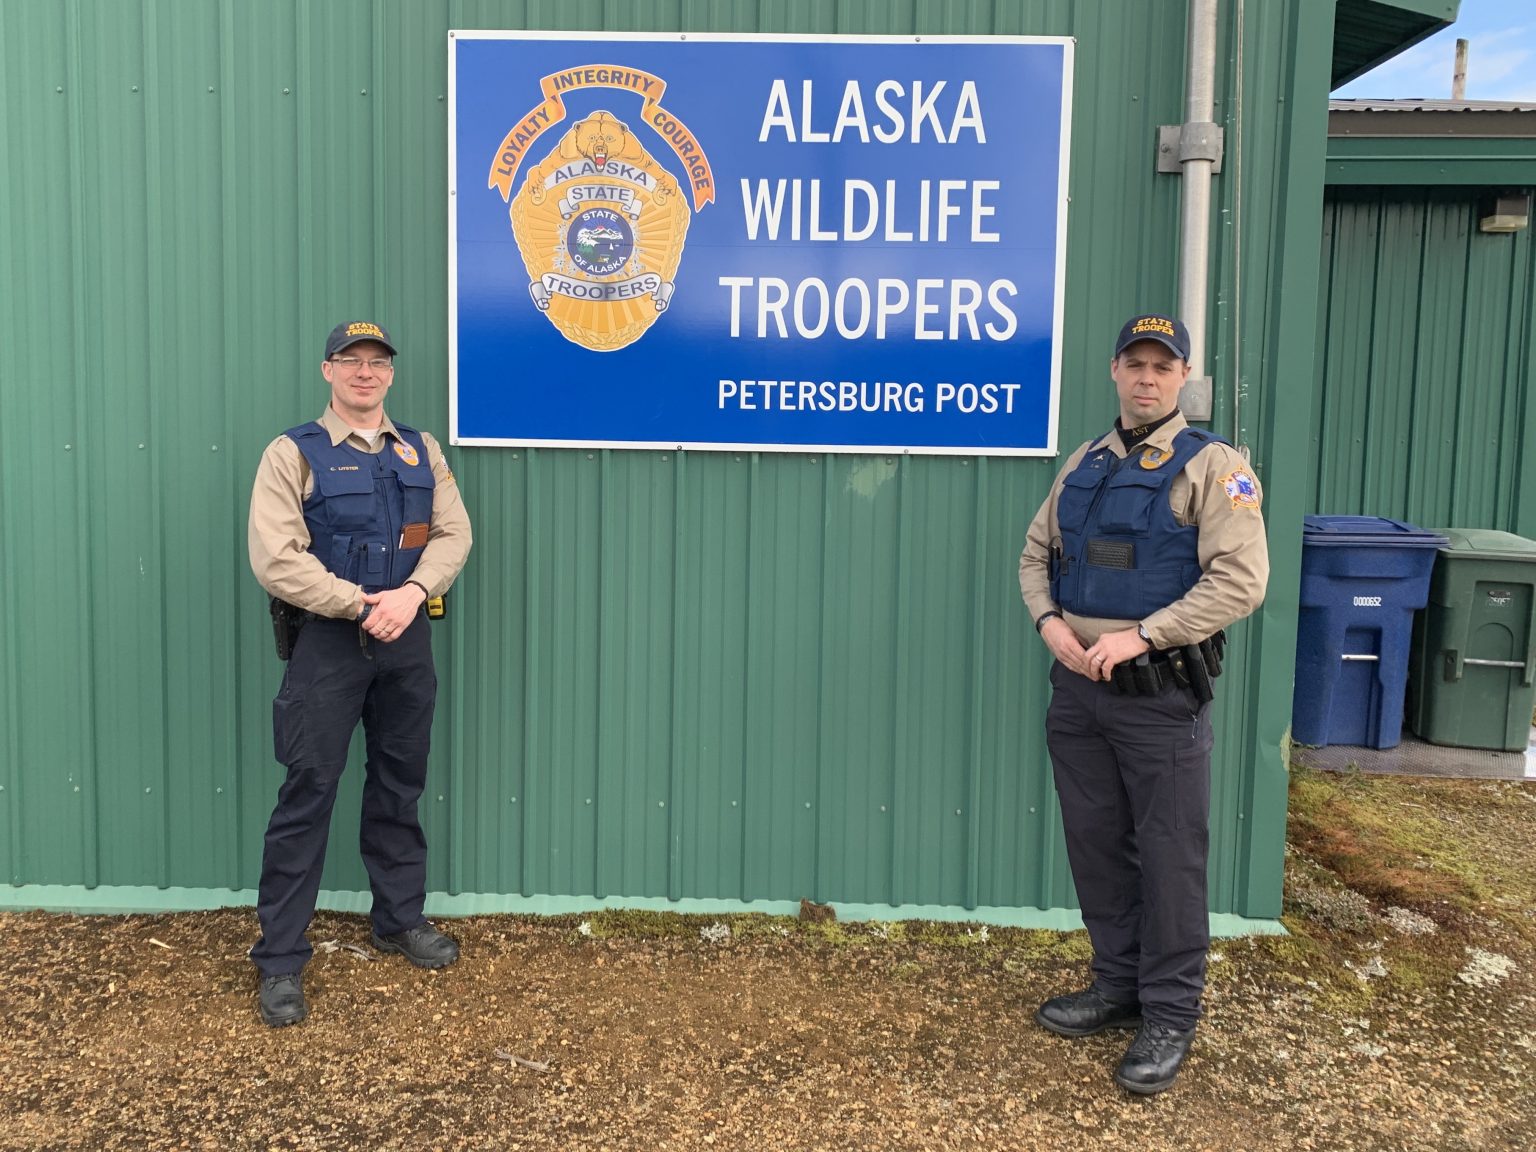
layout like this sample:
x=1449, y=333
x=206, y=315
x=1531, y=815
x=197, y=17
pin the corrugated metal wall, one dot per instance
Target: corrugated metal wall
x=705, y=675
x=1423, y=407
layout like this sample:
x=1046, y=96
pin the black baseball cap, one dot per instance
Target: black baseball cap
x=1167, y=331
x=355, y=332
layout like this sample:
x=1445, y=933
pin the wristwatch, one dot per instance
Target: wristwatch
x=1141, y=630
x=363, y=615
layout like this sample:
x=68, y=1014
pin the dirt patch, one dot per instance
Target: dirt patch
x=1361, y=1030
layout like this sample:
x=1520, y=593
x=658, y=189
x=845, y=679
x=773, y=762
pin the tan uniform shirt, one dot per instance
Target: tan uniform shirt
x=1234, y=556
x=279, y=539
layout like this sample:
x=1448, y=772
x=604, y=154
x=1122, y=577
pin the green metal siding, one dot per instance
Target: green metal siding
x=704, y=675
x=1416, y=161
x=1422, y=410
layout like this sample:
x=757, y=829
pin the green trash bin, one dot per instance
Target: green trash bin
x=1472, y=663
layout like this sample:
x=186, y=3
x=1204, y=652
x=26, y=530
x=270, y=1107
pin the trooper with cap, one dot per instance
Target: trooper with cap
x=355, y=523
x=1150, y=544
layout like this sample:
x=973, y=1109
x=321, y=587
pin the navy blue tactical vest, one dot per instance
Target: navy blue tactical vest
x=1123, y=555
x=362, y=502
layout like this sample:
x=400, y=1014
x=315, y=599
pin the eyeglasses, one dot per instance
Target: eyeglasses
x=352, y=363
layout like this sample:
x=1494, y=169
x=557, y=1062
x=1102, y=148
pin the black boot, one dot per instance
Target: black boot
x=1152, y=1061
x=423, y=945
x=281, y=1000
x=1086, y=1012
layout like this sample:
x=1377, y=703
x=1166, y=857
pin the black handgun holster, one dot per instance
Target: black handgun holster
x=286, y=622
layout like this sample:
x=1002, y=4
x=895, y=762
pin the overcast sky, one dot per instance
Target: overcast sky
x=1501, y=61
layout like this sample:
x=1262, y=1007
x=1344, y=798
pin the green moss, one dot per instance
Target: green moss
x=1380, y=838
x=1036, y=944
x=640, y=924
x=833, y=933
x=1415, y=968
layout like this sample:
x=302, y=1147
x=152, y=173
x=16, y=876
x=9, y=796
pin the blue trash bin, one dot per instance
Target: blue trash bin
x=1362, y=579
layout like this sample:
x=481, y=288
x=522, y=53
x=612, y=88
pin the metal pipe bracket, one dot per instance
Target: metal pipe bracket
x=1177, y=144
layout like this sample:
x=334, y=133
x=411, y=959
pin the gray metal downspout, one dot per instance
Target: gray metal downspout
x=1199, y=148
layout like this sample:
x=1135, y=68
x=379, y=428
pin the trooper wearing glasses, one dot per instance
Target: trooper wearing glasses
x=355, y=522
x=1149, y=545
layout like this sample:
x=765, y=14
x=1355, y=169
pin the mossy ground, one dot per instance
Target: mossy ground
x=1399, y=1015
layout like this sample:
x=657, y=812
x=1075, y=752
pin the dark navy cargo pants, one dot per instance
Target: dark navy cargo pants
x=331, y=683
x=1134, y=777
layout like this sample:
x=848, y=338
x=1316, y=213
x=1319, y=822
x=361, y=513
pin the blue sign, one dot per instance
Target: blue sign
x=757, y=242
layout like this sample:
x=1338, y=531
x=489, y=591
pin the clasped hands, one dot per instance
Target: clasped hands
x=1097, y=661
x=392, y=612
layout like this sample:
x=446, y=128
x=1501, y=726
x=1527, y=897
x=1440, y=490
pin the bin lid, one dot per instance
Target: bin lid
x=1367, y=532
x=1489, y=544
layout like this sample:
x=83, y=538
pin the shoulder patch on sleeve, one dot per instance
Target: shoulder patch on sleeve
x=1241, y=488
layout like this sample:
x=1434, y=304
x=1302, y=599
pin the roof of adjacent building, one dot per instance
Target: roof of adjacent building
x=1463, y=119
x=1368, y=32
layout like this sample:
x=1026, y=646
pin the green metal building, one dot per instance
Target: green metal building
x=693, y=680
x=1427, y=312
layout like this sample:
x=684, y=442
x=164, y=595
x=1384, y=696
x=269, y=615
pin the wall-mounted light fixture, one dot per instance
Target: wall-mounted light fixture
x=1510, y=212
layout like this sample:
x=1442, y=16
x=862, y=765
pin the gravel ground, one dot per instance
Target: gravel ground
x=1400, y=1014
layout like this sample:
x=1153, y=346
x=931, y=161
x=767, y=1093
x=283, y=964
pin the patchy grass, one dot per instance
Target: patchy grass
x=1440, y=847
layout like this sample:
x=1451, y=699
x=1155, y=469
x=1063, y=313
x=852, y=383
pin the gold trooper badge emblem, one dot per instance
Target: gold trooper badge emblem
x=599, y=222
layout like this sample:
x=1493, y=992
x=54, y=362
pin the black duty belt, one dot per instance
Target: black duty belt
x=1191, y=666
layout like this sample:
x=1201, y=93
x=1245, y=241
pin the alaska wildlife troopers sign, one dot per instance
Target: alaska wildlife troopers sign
x=792, y=243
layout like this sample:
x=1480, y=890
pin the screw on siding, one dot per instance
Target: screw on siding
x=514, y=799
x=661, y=803
x=210, y=87
x=58, y=89
x=219, y=791
x=363, y=92
x=215, y=447
x=882, y=807
x=146, y=791
x=77, y=787
x=439, y=799
x=69, y=447
x=957, y=811
x=141, y=447
x=439, y=99
x=135, y=88
x=589, y=799
x=807, y=803
x=285, y=91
